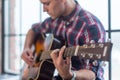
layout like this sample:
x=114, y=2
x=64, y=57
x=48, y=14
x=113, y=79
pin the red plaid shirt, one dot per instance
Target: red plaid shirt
x=78, y=28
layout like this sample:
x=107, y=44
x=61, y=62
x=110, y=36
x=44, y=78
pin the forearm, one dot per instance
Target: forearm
x=64, y=67
x=29, y=39
x=85, y=74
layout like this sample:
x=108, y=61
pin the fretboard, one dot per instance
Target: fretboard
x=90, y=51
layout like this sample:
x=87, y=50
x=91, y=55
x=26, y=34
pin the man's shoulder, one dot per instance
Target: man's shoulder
x=36, y=24
x=88, y=17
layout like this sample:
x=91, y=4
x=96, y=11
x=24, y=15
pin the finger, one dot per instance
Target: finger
x=27, y=59
x=54, y=54
x=30, y=53
x=23, y=56
x=68, y=60
x=62, y=52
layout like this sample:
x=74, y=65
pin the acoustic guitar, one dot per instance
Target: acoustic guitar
x=43, y=68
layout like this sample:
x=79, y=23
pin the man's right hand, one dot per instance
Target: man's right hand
x=27, y=56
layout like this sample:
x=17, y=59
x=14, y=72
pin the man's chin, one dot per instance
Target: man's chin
x=53, y=17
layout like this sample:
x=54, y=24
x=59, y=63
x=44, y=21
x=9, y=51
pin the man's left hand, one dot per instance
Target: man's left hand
x=62, y=65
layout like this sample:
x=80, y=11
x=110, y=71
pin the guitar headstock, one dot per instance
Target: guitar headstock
x=97, y=51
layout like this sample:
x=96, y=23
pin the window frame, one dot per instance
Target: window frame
x=109, y=31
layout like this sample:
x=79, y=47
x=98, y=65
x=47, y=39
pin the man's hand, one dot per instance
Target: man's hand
x=62, y=65
x=27, y=56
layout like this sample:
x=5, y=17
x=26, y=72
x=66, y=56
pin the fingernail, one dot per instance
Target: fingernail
x=64, y=46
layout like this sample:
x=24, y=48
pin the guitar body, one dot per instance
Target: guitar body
x=42, y=69
x=46, y=70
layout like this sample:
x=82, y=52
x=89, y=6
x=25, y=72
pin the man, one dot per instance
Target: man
x=77, y=27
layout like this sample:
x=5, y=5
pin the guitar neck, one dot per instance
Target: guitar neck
x=71, y=51
x=90, y=51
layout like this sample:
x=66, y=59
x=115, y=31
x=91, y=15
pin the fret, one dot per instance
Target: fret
x=76, y=51
x=73, y=51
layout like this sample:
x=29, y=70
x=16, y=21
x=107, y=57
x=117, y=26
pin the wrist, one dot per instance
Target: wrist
x=72, y=77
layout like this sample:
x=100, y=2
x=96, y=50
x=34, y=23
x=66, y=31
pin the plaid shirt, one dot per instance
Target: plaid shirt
x=77, y=28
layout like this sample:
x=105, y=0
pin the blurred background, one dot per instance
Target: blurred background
x=17, y=16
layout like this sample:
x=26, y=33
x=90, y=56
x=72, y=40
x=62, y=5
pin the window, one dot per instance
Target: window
x=115, y=19
x=115, y=55
x=21, y=14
